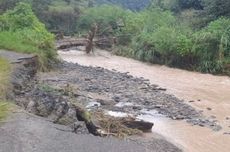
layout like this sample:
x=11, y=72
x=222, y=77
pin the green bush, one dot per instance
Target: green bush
x=106, y=17
x=161, y=40
x=154, y=35
x=21, y=31
x=212, y=46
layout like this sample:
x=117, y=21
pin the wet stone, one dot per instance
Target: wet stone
x=226, y=133
x=209, y=109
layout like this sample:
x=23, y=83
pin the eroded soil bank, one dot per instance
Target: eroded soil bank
x=208, y=94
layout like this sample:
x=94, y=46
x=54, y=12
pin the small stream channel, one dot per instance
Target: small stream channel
x=205, y=92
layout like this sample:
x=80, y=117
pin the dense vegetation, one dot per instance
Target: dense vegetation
x=63, y=15
x=57, y=15
x=21, y=31
x=191, y=34
x=177, y=34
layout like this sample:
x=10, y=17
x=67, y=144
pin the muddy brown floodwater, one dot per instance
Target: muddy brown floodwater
x=206, y=92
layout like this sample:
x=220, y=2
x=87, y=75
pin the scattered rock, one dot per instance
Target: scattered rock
x=137, y=124
x=69, y=118
x=105, y=102
x=161, y=89
x=209, y=109
x=213, y=117
x=137, y=108
x=116, y=98
x=226, y=133
x=216, y=128
x=31, y=107
x=79, y=127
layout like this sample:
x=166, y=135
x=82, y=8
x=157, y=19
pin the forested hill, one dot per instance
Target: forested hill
x=130, y=4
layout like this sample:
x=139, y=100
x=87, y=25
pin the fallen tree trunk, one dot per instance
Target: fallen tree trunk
x=70, y=42
x=137, y=124
x=65, y=43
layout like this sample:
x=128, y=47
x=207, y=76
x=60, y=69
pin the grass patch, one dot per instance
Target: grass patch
x=14, y=41
x=4, y=109
x=4, y=78
x=4, y=86
x=17, y=42
x=21, y=31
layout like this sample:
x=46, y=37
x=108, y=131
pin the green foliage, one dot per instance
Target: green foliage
x=184, y=45
x=21, y=31
x=61, y=16
x=57, y=15
x=212, y=45
x=217, y=8
x=23, y=19
x=178, y=5
x=192, y=18
x=20, y=18
x=156, y=35
x=158, y=38
x=4, y=109
x=156, y=18
x=7, y=4
x=106, y=17
x=4, y=85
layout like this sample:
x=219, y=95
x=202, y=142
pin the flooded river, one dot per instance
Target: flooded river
x=205, y=92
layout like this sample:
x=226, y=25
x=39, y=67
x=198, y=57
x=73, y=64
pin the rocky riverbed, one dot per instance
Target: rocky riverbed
x=64, y=95
x=57, y=103
x=204, y=92
x=111, y=90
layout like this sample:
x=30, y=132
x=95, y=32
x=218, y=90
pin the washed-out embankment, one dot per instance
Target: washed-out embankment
x=68, y=99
